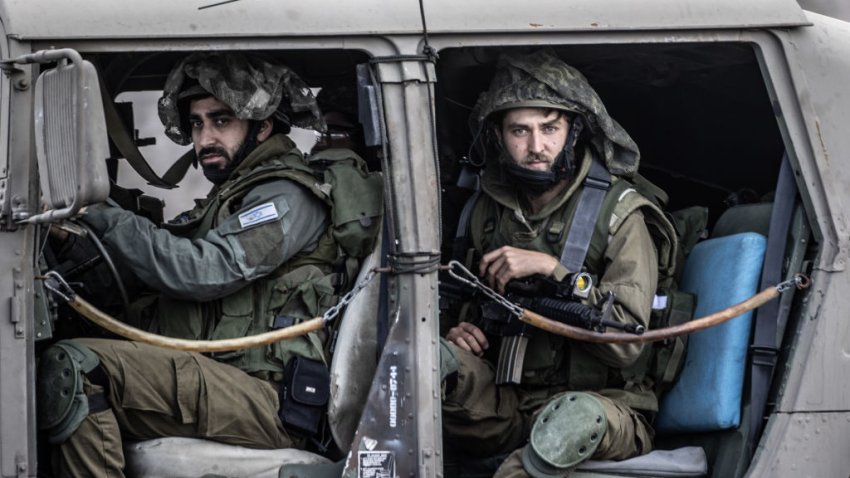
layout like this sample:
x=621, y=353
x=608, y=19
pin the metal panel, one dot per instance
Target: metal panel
x=818, y=63
x=195, y=18
x=592, y=15
x=192, y=18
x=401, y=421
x=833, y=8
x=805, y=444
x=17, y=414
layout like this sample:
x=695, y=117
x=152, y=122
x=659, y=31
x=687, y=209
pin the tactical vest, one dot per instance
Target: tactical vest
x=302, y=288
x=554, y=361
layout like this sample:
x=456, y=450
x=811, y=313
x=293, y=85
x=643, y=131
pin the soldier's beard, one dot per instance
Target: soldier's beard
x=219, y=175
x=534, y=183
x=216, y=173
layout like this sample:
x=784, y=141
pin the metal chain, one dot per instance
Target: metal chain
x=469, y=279
x=332, y=312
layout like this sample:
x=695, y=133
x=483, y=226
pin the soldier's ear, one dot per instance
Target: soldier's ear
x=266, y=128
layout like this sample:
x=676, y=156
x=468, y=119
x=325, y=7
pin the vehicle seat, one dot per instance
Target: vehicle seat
x=721, y=272
x=179, y=457
x=353, y=365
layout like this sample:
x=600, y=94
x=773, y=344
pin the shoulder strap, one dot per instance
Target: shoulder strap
x=596, y=184
x=125, y=144
x=764, y=347
x=462, y=235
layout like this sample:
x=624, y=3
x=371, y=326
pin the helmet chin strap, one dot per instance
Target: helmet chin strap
x=538, y=182
x=219, y=176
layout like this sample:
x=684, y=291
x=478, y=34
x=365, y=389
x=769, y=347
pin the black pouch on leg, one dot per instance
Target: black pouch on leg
x=304, y=395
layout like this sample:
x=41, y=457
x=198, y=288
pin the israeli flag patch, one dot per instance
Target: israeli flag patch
x=258, y=215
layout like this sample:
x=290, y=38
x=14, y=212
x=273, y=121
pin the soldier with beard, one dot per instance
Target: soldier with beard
x=256, y=254
x=575, y=401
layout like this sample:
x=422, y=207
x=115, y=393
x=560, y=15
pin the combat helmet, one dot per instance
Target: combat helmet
x=254, y=87
x=542, y=80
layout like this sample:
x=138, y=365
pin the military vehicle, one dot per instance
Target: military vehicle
x=718, y=95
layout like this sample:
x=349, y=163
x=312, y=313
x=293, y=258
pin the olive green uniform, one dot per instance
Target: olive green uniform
x=482, y=419
x=257, y=247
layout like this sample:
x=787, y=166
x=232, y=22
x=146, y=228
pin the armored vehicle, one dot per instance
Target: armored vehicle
x=739, y=107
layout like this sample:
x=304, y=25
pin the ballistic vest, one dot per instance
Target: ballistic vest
x=555, y=361
x=302, y=288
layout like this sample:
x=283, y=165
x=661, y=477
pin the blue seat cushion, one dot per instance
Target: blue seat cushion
x=707, y=397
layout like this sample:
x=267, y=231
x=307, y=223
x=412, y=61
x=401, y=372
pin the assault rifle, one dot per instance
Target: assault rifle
x=556, y=300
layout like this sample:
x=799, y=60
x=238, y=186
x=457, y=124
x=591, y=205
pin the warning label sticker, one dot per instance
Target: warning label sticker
x=376, y=464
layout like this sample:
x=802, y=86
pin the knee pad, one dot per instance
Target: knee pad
x=61, y=402
x=566, y=432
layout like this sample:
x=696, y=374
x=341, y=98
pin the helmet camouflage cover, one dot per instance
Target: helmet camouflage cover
x=252, y=86
x=542, y=79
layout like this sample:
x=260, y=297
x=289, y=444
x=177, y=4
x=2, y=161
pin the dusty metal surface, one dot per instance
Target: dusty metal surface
x=263, y=18
x=797, y=443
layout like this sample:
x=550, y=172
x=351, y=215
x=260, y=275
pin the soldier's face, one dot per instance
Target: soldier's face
x=217, y=134
x=533, y=137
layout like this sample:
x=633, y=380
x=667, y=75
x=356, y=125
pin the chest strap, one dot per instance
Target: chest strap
x=596, y=184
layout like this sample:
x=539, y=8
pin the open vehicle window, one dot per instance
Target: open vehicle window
x=703, y=118
x=138, y=85
x=699, y=113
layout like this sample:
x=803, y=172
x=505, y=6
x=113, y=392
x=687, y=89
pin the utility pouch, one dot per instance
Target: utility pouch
x=304, y=395
x=676, y=308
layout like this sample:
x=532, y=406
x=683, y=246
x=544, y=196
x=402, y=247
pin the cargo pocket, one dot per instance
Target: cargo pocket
x=188, y=383
x=300, y=295
x=237, y=314
x=168, y=316
x=174, y=393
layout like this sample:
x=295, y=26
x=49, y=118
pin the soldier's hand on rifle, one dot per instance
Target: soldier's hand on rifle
x=468, y=337
x=506, y=263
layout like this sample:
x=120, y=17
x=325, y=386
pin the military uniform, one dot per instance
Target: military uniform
x=484, y=419
x=606, y=383
x=234, y=271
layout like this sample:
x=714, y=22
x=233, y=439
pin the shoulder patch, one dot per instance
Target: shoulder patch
x=258, y=215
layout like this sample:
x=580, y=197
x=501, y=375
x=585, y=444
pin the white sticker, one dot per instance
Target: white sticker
x=258, y=215
x=376, y=464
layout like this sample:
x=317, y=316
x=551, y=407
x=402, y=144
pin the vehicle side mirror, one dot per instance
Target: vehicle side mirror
x=71, y=139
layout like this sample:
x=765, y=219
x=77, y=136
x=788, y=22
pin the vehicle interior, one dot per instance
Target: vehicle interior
x=710, y=135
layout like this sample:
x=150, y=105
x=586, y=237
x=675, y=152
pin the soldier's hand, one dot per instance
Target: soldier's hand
x=506, y=263
x=468, y=337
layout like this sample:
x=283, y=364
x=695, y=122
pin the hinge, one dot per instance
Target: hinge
x=15, y=311
x=15, y=304
x=21, y=466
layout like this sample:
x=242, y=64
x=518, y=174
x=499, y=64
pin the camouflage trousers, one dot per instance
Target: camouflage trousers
x=482, y=420
x=155, y=392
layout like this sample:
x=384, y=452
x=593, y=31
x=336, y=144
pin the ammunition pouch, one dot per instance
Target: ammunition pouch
x=62, y=403
x=668, y=355
x=304, y=395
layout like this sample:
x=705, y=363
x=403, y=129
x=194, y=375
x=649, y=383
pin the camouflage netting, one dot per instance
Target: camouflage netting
x=542, y=77
x=253, y=87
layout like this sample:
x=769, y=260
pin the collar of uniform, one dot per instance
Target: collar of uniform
x=503, y=190
x=273, y=146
